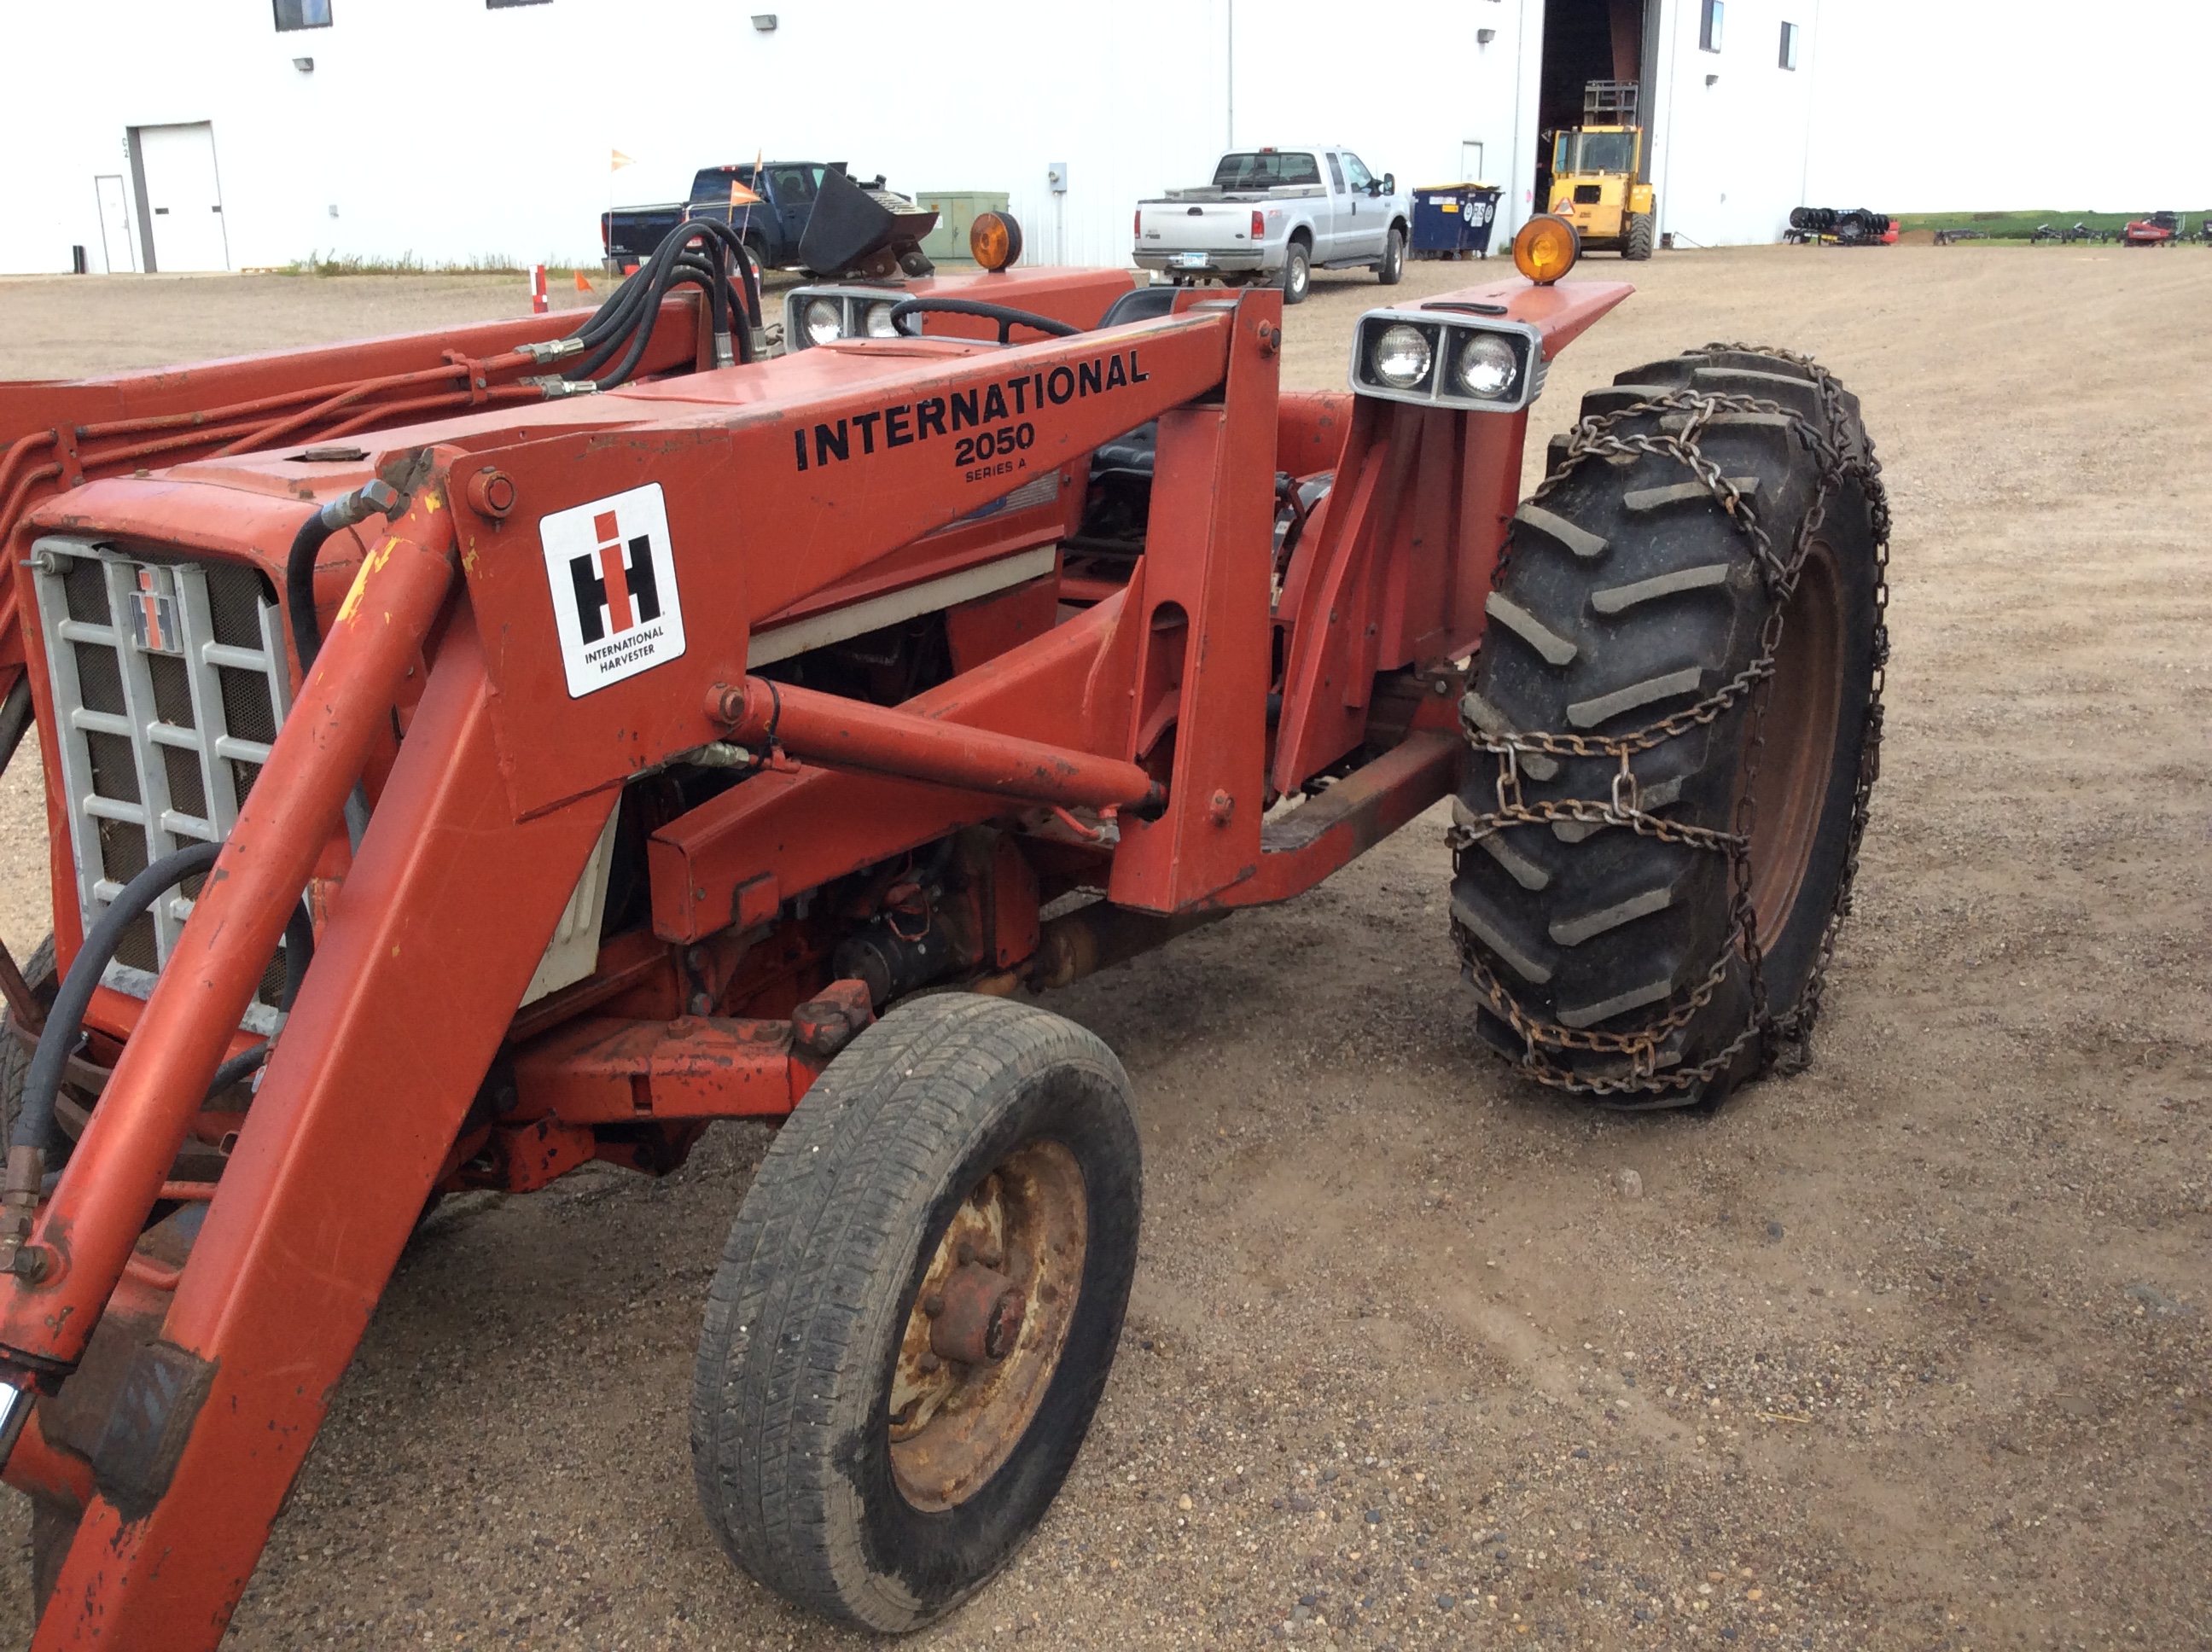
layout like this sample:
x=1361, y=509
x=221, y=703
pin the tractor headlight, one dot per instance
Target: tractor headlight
x=1402, y=356
x=1450, y=352
x=825, y=321
x=879, y=322
x=1488, y=366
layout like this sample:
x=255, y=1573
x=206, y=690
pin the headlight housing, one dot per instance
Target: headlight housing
x=1448, y=354
x=824, y=321
x=1487, y=367
x=842, y=311
x=1402, y=356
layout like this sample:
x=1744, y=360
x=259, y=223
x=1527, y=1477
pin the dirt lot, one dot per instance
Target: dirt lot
x=1908, y=1352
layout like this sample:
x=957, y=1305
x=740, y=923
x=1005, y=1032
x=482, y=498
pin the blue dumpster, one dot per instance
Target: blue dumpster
x=1451, y=220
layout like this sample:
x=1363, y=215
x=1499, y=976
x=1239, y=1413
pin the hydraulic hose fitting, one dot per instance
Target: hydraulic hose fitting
x=19, y=1202
x=553, y=386
x=547, y=351
x=373, y=498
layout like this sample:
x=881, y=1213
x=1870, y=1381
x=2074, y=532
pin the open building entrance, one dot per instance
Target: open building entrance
x=1586, y=40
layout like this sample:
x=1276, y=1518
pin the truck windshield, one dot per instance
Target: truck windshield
x=1265, y=169
x=1595, y=152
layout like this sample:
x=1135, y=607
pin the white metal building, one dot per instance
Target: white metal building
x=181, y=135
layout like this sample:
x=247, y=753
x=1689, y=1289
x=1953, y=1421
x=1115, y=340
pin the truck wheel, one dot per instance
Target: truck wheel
x=1607, y=924
x=1392, y=270
x=14, y=1054
x=1297, y=273
x=916, y=1309
x=1638, y=246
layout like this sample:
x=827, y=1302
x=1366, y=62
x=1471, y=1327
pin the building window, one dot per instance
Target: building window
x=1789, y=46
x=1709, y=26
x=495, y=5
x=302, y=13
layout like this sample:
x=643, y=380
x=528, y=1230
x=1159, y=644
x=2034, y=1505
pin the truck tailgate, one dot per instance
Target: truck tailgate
x=1173, y=227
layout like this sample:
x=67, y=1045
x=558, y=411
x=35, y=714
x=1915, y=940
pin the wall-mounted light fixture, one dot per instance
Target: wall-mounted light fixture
x=1485, y=36
x=764, y=22
x=305, y=65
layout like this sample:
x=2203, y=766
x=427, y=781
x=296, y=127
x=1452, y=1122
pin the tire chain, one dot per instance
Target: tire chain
x=1784, y=1042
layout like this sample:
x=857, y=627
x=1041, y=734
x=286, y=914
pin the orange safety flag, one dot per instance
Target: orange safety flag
x=583, y=286
x=740, y=196
x=620, y=160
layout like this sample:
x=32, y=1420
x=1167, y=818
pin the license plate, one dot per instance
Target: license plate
x=1190, y=260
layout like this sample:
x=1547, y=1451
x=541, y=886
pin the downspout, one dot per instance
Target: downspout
x=1666, y=171
x=1812, y=108
x=1520, y=77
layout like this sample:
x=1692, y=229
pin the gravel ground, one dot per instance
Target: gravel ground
x=1907, y=1351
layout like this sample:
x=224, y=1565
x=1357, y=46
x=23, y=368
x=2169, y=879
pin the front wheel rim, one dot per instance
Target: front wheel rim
x=953, y=1423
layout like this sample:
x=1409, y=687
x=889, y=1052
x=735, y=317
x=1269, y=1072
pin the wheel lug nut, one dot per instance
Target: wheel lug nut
x=966, y=1253
x=928, y=1363
x=933, y=1306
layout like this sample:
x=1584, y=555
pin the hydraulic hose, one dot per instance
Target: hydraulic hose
x=1007, y=318
x=35, y=1120
x=696, y=252
x=377, y=498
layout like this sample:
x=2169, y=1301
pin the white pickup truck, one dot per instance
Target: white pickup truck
x=1274, y=214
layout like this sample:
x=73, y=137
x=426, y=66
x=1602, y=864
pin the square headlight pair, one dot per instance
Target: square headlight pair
x=1445, y=360
x=823, y=315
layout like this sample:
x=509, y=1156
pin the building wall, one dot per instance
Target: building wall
x=1729, y=158
x=448, y=131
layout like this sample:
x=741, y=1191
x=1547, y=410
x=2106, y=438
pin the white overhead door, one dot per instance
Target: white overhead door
x=183, y=197
x=121, y=254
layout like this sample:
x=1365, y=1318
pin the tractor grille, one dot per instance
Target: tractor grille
x=169, y=681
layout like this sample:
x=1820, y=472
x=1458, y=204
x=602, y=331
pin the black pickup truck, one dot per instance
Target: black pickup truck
x=771, y=225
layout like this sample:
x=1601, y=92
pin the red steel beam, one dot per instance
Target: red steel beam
x=830, y=729
x=614, y=1071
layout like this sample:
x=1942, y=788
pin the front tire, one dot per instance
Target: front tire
x=1297, y=273
x=1637, y=246
x=1392, y=270
x=15, y=1055
x=964, y=1151
x=1605, y=925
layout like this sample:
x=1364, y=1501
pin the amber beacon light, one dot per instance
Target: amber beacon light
x=994, y=239
x=1545, y=249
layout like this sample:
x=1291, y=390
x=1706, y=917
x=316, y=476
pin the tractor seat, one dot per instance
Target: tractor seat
x=1140, y=304
x=1132, y=454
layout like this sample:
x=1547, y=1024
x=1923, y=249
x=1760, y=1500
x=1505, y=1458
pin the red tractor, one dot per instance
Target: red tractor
x=473, y=754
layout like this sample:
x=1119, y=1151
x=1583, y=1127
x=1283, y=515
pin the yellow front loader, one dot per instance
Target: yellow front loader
x=1597, y=173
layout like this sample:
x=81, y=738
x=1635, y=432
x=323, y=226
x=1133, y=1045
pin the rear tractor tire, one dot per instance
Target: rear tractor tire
x=1601, y=910
x=1637, y=247
x=917, y=1309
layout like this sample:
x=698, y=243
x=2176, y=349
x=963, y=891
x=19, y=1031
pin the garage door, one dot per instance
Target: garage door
x=183, y=197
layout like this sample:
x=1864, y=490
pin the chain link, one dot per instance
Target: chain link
x=1784, y=1043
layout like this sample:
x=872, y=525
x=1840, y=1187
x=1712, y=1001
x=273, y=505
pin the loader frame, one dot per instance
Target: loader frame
x=1218, y=730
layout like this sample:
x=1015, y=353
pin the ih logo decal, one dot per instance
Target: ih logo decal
x=614, y=604
x=153, y=611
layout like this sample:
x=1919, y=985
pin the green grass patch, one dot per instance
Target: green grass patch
x=407, y=263
x=2020, y=226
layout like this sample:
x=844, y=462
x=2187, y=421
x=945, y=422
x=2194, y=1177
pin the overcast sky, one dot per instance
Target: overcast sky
x=1941, y=105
